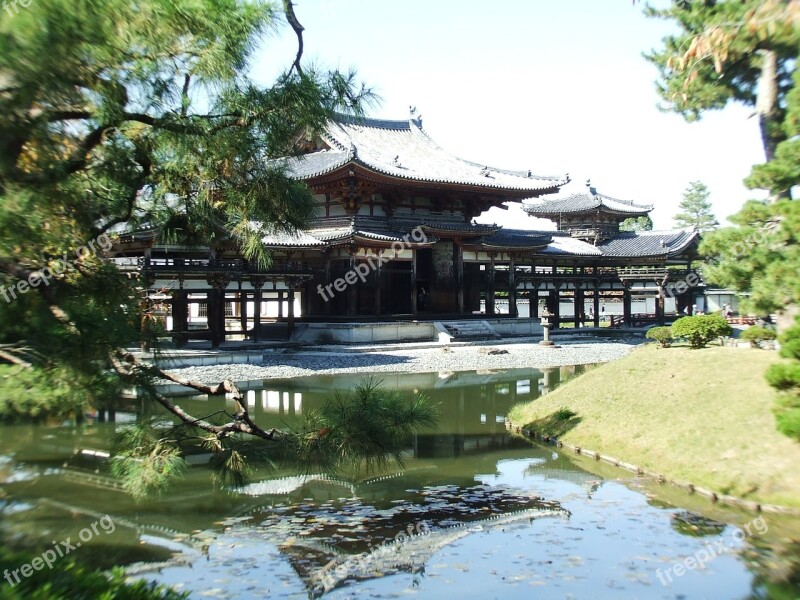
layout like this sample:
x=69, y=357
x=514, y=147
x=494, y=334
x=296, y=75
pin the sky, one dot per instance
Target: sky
x=551, y=86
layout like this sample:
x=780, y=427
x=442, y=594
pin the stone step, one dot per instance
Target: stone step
x=470, y=329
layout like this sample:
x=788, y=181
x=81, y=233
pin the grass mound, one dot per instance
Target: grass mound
x=703, y=416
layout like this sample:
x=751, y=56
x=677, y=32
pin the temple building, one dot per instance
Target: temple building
x=393, y=242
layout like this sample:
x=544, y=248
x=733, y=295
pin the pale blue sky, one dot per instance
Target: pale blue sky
x=551, y=86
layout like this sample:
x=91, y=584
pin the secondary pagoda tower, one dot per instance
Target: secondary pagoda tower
x=590, y=216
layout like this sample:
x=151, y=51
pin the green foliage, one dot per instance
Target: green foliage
x=644, y=223
x=121, y=115
x=699, y=330
x=145, y=462
x=787, y=413
x=662, y=335
x=724, y=51
x=555, y=424
x=756, y=335
x=760, y=256
x=696, y=211
x=139, y=115
x=564, y=414
x=29, y=394
x=785, y=377
x=364, y=429
x=68, y=580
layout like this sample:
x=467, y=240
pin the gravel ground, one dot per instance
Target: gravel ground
x=465, y=358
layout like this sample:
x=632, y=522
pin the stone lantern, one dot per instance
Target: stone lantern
x=546, y=327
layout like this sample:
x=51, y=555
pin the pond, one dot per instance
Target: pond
x=475, y=512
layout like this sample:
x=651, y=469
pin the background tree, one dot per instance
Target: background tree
x=119, y=115
x=696, y=210
x=637, y=224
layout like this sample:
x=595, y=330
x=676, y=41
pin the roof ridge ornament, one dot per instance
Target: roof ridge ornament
x=414, y=116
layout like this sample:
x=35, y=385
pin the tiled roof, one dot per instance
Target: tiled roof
x=517, y=238
x=403, y=149
x=316, y=163
x=564, y=244
x=645, y=244
x=468, y=228
x=649, y=243
x=298, y=239
x=586, y=202
x=369, y=228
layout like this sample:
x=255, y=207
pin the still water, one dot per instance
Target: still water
x=475, y=512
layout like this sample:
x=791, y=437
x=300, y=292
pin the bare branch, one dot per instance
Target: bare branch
x=185, y=95
x=242, y=422
x=288, y=8
x=147, y=167
x=16, y=355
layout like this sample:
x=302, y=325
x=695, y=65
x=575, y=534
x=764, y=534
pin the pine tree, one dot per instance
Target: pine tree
x=141, y=115
x=637, y=224
x=696, y=209
x=729, y=50
x=747, y=51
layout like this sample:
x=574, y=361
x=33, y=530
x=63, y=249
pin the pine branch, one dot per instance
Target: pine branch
x=48, y=294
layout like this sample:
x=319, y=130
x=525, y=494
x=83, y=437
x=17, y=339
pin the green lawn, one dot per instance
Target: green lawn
x=702, y=416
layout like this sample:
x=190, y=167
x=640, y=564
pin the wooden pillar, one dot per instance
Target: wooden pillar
x=512, y=289
x=596, y=305
x=414, y=282
x=221, y=309
x=290, y=311
x=533, y=297
x=216, y=315
x=578, y=311
x=257, y=298
x=555, y=300
x=626, y=307
x=281, y=299
x=180, y=316
x=490, y=310
x=242, y=308
x=458, y=262
x=352, y=291
x=305, y=294
x=326, y=310
x=660, y=305
x=377, y=296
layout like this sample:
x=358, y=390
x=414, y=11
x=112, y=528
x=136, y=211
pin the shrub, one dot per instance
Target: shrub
x=69, y=580
x=663, y=335
x=787, y=415
x=699, y=330
x=784, y=376
x=756, y=335
x=564, y=414
x=790, y=341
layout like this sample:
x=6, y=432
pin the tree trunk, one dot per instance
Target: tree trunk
x=767, y=103
x=769, y=113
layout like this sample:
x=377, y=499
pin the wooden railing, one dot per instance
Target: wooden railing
x=230, y=266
